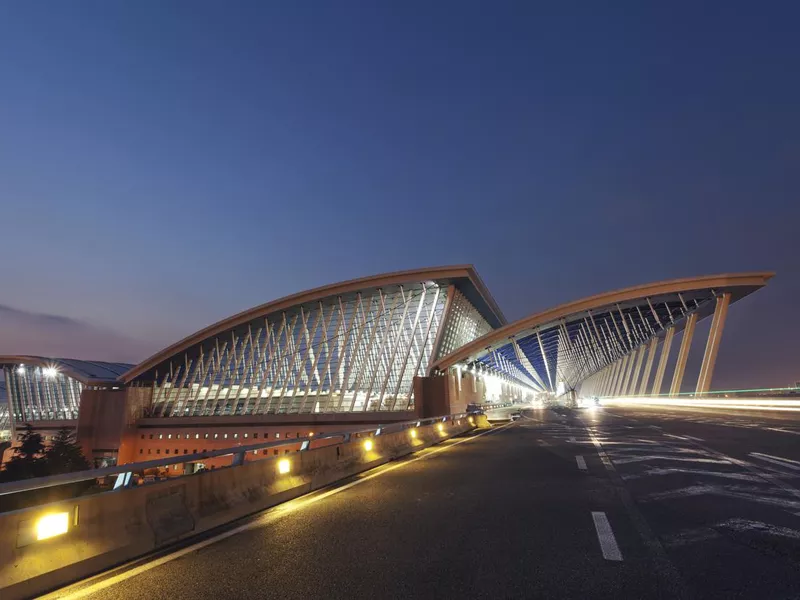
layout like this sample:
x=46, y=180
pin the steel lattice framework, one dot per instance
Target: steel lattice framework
x=352, y=347
x=49, y=389
x=561, y=348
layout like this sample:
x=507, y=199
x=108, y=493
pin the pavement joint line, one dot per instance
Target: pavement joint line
x=581, y=462
x=605, y=535
x=758, y=471
x=272, y=514
x=678, y=587
x=777, y=460
x=782, y=430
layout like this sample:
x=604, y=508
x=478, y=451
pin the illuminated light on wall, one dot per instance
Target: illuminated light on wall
x=368, y=445
x=413, y=433
x=49, y=372
x=284, y=466
x=440, y=427
x=471, y=421
x=52, y=525
x=21, y=370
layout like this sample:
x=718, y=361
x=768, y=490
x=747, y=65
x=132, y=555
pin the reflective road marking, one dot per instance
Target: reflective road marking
x=608, y=543
x=777, y=460
x=581, y=462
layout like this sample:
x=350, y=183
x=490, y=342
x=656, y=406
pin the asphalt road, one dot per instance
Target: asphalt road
x=607, y=503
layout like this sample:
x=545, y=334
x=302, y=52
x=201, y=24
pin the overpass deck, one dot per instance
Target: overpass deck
x=613, y=503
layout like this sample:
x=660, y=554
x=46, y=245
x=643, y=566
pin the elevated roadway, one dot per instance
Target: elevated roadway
x=609, y=503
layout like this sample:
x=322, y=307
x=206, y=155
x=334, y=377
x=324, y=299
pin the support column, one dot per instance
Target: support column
x=662, y=360
x=601, y=391
x=637, y=370
x=712, y=345
x=683, y=354
x=610, y=381
x=626, y=383
x=648, y=365
x=621, y=376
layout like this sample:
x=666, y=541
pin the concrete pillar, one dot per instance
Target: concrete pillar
x=683, y=354
x=712, y=345
x=601, y=391
x=623, y=373
x=607, y=385
x=629, y=373
x=637, y=370
x=648, y=365
x=609, y=378
x=662, y=360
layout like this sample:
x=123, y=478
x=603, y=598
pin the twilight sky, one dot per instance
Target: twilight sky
x=166, y=164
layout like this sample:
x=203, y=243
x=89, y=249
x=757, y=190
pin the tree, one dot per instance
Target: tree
x=28, y=458
x=64, y=455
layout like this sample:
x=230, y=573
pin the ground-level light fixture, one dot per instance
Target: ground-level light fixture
x=368, y=445
x=413, y=433
x=284, y=466
x=440, y=427
x=51, y=525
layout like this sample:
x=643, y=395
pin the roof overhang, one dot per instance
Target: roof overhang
x=66, y=366
x=465, y=277
x=738, y=285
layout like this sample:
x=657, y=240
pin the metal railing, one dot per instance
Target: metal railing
x=237, y=453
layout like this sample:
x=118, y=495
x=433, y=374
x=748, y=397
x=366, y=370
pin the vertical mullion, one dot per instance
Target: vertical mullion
x=353, y=350
x=318, y=354
x=326, y=372
x=365, y=362
x=401, y=338
x=386, y=331
x=413, y=342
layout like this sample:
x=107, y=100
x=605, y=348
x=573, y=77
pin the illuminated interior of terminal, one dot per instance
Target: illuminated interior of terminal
x=384, y=348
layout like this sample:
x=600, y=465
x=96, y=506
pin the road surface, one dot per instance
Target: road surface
x=606, y=503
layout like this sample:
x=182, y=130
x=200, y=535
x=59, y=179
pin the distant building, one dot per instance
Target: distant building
x=391, y=347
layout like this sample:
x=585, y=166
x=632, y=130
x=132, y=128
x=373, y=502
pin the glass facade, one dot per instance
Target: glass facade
x=341, y=354
x=464, y=324
x=41, y=393
x=351, y=353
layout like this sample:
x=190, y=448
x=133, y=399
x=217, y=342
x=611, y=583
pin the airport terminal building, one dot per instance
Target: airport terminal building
x=386, y=348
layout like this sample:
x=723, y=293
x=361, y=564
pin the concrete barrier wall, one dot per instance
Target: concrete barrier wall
x=118, y=526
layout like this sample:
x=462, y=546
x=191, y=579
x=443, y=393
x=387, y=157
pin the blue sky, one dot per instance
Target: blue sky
x=166, y=164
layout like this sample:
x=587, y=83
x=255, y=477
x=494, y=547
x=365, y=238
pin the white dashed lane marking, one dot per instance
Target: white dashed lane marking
x=608, y=543
x=581, y=462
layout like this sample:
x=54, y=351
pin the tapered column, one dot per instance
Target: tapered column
x=604, y=383
x=623, y=373
x=629, y=374
x=712, y=345
x=637, y=370
x=683, y=355
x=648, y=365
x=611, y=378
x=662, y=360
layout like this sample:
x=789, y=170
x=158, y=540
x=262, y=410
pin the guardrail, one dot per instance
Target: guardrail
x=237, y=454
x=46, y=547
